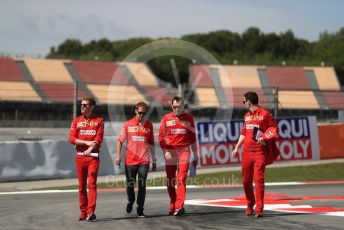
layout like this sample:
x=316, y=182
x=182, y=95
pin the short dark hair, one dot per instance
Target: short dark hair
x=90, y=100
x=252, y=97
x=177, y=98
x=141, y=104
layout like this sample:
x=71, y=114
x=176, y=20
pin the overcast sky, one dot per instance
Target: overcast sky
x=31, y=27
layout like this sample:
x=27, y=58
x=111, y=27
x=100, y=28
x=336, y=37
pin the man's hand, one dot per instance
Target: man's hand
x=88, y=151
x=195, y=161
x=261, y=141
x=118, y=160
x=168, y=155
x=91, y=143
x=154, y=166
x=235, y=153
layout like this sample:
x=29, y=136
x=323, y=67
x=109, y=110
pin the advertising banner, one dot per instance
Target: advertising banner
x=217, y=139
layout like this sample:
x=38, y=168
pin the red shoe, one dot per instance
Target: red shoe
x=82, y=216
x=249, y=211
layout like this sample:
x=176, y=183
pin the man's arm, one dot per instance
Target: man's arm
x=193, y=142
x=74, y=138
x=162, y=139
x=162, y=134
x=121, y=138
x=100, y=132
x=152, y=152
x=240, y=142
x=118, y=153
x=273, y=134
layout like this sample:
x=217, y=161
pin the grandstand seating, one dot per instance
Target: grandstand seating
x=99, y=72
x=207, y=97
x=334, y=100
x=46, y=70
x=297, y=100
x=17, y=91
x=288, y=78
x=200, y=76
x=116, y=94
x=61, y=92
x=141, y=74
x=44, y=80
x=235, y=96
x=148, y=83
x=325, y=77
x=240, y=77
x=9, y=70
x=293, y=83
x=158, y=94
x=13, y=86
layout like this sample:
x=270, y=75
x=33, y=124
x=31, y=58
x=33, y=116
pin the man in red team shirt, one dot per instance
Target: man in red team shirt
x=87, y=134
x=254, y=152
x=139, y=135
x=176, y=134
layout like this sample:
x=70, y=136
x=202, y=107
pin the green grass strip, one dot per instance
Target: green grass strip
x=322, y=172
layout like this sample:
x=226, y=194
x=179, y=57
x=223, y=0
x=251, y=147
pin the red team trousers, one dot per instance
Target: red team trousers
x=253, y=165
x=87, y=167
x=180, y=162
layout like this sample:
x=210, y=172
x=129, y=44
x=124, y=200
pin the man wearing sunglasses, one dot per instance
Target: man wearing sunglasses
x=176, y=135
x=254, y=157
x=87, y=133
x=139, y=135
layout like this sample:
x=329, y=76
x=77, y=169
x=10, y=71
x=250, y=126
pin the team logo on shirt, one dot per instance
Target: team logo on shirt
x=170, y=123
x=144, y=130
x=81, y=124
x=185, y=123
x=254, y=118
x=92, y=123
x=133, y=129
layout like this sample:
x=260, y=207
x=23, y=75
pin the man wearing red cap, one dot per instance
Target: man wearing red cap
x=254, y=158
x=176, y=135
x=87, y=133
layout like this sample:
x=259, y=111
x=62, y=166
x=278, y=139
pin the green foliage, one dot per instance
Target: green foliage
x=252, y=47
x=162, y=67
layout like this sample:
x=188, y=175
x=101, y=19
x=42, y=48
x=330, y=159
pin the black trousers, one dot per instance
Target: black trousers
x=141, y=171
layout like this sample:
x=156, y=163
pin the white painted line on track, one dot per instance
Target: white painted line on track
x=164, y=187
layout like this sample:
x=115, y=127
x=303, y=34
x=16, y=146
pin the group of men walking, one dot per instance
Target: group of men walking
x=177, y=140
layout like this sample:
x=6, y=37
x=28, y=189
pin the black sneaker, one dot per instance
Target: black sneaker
x=140, y=213
x=129, y=208
x=91, y=217
x=179, y=212
x=259, y=215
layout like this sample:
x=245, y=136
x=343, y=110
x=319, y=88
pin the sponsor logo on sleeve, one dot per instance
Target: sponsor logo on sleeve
x=133, y=129
x=81, y=124
x=185, y=123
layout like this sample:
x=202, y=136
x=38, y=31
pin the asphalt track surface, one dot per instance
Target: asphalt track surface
x=60, y=211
